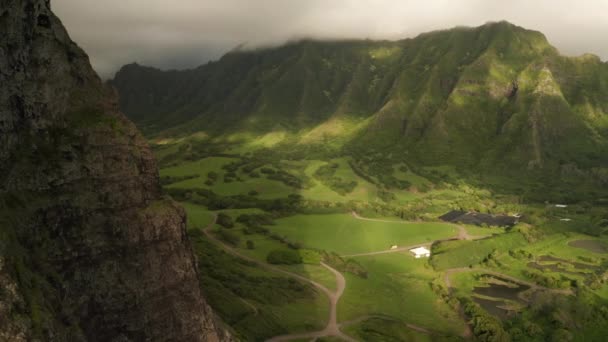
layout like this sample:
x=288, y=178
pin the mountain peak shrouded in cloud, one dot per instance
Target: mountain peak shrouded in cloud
x=190, y=32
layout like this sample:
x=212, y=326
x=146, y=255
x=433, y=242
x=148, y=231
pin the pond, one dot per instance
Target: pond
x=504, y=291
x=493, y=307
x=595, y=246
x=577, y=265
x=552, y=268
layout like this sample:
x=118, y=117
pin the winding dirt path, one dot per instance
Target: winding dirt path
x=332, y=328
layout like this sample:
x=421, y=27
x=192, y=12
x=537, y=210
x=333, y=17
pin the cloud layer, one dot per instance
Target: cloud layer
x=187, y=33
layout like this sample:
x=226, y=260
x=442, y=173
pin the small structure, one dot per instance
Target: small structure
x=565, y=219
x=421, y=252
x=394, y=247
x=561, y=206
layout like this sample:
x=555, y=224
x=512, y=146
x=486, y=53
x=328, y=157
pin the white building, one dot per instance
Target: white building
x=561, y=206
x=421, y=252
x=394, y=247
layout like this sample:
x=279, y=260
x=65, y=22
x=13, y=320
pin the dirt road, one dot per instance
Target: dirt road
x=332, y=328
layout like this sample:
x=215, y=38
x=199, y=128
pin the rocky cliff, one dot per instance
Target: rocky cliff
x=89, y=248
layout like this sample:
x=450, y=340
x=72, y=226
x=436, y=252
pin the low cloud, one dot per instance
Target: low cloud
x=186, y=33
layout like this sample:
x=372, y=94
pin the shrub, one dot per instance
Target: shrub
x=250, y=244
x=228, y=237
x=225, y=220
x=212, y=176
x=284, y=257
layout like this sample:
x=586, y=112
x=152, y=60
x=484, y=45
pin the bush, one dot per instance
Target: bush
x=255, y=220
x=212, y=176
x=250, y=244
x=284, y=257
x=326, y=174
x=229, y=237
x=225, y=220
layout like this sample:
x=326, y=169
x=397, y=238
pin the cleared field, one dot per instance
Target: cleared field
x=454, y=254
x=344, y=234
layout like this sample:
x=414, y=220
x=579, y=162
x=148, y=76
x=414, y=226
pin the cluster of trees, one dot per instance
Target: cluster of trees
x=386, y=196
x=550, y=280
x=326, y=174
x=284, y=257
x=486, y=327
x=229, y=237
x=225, y=220
x=520, y=254
x=212, y=177
x=286, y=178
x=166, y=180
x=213, y=201
x=191, y=151
x=254, y=224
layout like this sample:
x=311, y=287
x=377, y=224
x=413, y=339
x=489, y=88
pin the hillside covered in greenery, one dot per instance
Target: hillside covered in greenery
x=493, y=98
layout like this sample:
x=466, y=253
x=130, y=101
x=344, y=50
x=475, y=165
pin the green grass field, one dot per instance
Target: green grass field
x=344, y=234
x=398, y=286
x=454, y=254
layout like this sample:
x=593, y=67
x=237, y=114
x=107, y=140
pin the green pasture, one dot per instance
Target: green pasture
x=344, y=234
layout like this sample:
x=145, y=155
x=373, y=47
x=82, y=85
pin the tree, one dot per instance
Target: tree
x=225, y=220
x=250, y=244
x=286, y=257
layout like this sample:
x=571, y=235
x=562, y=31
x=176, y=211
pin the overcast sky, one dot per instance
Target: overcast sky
x=186, y=33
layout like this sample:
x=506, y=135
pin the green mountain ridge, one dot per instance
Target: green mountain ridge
x=494, y=97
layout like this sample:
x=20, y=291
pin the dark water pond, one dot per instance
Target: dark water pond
x=492, y=307
x=590, y=245
x=552, y=268
x=501, y=291
x=577, y=265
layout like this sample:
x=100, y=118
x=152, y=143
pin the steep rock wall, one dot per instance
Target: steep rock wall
x=90, y=249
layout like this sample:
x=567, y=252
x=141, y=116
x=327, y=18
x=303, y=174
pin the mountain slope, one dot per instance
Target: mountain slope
x=89, y=250
x=494, y=96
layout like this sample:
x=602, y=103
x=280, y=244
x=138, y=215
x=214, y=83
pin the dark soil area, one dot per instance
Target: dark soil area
x=502, y=291
x=478, y=219
x=577, y=265
x=590, y=245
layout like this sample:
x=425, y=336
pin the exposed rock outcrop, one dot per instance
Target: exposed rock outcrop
x=90, y=250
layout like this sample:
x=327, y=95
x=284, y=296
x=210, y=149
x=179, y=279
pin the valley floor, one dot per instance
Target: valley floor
x=319, y=250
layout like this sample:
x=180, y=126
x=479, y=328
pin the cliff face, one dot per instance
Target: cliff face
x=89, y=249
